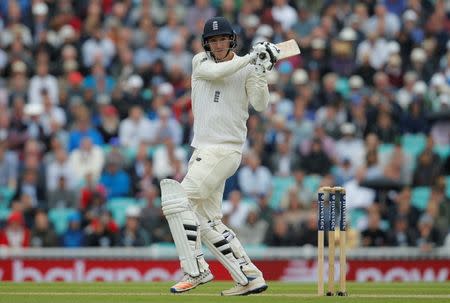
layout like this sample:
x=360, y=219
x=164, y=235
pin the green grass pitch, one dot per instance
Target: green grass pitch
x=209, y=293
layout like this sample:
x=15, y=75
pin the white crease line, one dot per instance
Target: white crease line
x=193, y=294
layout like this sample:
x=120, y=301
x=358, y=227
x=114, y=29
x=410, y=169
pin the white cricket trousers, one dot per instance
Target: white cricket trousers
x=204, y=182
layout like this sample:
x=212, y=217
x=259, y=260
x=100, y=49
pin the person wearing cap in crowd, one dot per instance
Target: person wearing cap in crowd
x=15, y=234
x=342, y=59
x=133, y=94
x=40, y=19
x=419, y=64
x=132, y=234
x=317, y=61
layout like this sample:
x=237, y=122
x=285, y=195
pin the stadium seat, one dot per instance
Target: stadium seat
x=4, y=213
x=129, y=154
x=6, y=194
x=312, y=182
x=420, y=196
x=442, y=150
x=413, y=144
x=118, y=206
x=59, y=218
x=280, y=186
x=447, y=187
x=355, y=214
x=385, y=148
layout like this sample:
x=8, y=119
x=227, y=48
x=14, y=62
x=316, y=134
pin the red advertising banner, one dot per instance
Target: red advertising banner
x=78, y=270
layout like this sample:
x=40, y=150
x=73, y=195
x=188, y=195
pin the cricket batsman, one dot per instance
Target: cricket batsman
x=223, y=86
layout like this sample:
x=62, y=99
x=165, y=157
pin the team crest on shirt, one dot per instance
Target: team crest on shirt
x=215, y=25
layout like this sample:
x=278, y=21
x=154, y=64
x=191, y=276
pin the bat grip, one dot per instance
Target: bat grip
x=262, y=56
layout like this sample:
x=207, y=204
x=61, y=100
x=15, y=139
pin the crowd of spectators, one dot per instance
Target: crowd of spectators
x=95, y=111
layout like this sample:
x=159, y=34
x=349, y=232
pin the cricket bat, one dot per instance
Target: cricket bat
x=287, y=49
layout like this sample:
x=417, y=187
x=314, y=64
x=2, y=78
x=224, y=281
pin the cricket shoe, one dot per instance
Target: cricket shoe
x=189, y=282
x=254, y=286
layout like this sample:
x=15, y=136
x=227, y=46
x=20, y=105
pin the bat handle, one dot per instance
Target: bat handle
x=262, y=56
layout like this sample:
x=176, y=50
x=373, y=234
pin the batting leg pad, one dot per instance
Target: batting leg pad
x=224, y=245
x=183, y=225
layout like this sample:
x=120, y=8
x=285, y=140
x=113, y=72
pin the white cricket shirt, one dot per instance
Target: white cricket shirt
x=221, y=94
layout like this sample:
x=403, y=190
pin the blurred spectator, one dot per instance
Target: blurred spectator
x=171, y=31
x=167, y=127
x=427, y=170
x=141, y=171
x=98, y=234
x=86, y=160
x=136, y=129
x=99, y=81
x=59, y=167
x=308, y=231
x=168, y=159
x=401, y=234
x=361, y=197
x=8, y=167
x=29, y=185
x=15, y=234
x=147, y=55
x=198, y=14
x=344, y=171
x=109, y=123
x=62, y=195
x=115, y=180
x=373, y=167
x=152, y=218
x=178, y=56
x=42, y=84
x=253, y=230
x=254, y=179
x=402, y=207
x=98, y=49
x=283, y=161
x=301, y=128
x=74, y=235
x=280, y=235
x=385, y=128
x=375, y=49
x=316, y=161
x=383, y=22
x=349, y=146
x=283, y=13
x=132, y=234
x=267, y=213
x=373, y=235
x=235, y=209
x=428, y=234
x=42, y=235
x=82, y=129
x=293, y=211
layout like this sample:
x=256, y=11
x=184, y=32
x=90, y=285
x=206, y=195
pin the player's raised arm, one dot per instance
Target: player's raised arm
x=256, y=85
x=205, y=68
